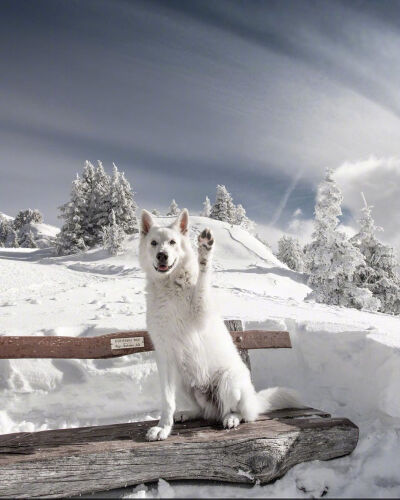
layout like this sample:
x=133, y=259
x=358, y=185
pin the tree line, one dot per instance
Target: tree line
x=359, y=272
x=102, y=211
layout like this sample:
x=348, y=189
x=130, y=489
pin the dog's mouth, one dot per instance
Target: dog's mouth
x=163, y=268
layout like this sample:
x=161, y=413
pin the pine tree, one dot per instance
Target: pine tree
x=8, y=235
x=4, y=226
x=102, y=202
x=122, y=202
x=12, y=238
x=27, y=240
x=378, y=272
x=241, y=218
x=71, y=238
x=88, y=207
x=28, y=216
x=223, y=208
x=290, y=253
x=155, y=212
x=173, y=208
x=93, y=198
x=206, y=208
x=331, y=259
x=113, y=236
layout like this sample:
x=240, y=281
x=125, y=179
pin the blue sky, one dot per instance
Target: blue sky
x=261, y=96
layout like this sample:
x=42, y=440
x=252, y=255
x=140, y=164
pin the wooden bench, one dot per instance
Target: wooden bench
x=82, y=460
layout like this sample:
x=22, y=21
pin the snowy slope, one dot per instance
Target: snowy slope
x=5, y=216
x=344, y=361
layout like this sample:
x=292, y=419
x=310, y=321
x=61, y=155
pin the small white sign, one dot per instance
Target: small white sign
x=127, y=343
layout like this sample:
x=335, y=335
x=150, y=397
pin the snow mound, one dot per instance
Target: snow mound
x=43, y=234
x=8, y=217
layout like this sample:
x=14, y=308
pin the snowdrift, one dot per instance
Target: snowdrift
x=343, y=360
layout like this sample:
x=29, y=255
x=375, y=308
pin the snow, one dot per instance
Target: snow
x=44, y=234
x=344, y=361
x=8, y=217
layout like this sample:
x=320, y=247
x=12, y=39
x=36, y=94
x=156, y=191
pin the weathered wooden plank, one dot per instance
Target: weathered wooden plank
x=235, y=325
x=106, y=346
x=79, y=461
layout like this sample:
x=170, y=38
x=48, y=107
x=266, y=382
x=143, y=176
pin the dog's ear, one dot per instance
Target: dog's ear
x=146, y=222
x=182, y=222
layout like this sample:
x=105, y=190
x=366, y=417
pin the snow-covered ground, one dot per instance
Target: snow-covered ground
x=344, y=361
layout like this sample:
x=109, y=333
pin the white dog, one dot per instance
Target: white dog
x=195, y=353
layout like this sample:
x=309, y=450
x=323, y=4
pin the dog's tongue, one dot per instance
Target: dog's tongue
x=162, y=267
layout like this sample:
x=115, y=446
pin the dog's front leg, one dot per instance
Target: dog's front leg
x=168, y=389
x=205, y=251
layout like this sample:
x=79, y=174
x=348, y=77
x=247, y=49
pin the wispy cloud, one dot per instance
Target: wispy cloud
x=285, y=198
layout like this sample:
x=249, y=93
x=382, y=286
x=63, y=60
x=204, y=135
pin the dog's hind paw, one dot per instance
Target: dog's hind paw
x=206, y=239
x=157, y=433
x=231, y=421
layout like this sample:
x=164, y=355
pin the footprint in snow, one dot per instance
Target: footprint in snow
x=34, y=301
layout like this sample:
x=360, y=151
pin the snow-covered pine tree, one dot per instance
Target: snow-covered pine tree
x=93, y=197
x=102, y=202
x=223, y=208
x=173, y=208
x=71, y=238
x=123, y=203
x=28, y=216
x=27, y=240
x=155, y=212
x=378, y=272
x=114, y=236
x=290, y=253
x=241, y=218
x=4, y=224
x=330, y=258
x=12, y=238
x=206, y=208
x=89, y=206
x=8, y=235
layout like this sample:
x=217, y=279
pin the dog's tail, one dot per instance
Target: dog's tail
x=277, y=398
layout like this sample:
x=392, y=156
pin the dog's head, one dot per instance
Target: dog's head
x=162, y=248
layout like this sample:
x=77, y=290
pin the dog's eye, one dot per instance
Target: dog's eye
x=154, y=243
x=172, y=242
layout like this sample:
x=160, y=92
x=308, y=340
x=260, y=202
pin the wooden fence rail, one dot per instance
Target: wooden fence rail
x=118, y=344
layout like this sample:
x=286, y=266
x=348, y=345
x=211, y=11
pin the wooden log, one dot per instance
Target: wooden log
x=118, y=344
x=235, y=325
x=79, y=461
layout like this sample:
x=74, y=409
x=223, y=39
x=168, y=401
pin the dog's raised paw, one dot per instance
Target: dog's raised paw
x=157, y=433
x=206, y=239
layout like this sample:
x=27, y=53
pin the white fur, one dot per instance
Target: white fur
x=196, y=357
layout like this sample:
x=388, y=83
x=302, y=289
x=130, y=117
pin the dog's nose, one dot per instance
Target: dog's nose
x=162, y=257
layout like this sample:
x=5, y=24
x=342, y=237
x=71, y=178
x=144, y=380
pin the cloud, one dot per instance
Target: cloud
x=379, y=180
x=297, y=228
x=285, y=198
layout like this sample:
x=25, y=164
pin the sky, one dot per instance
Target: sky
x=261, y=96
